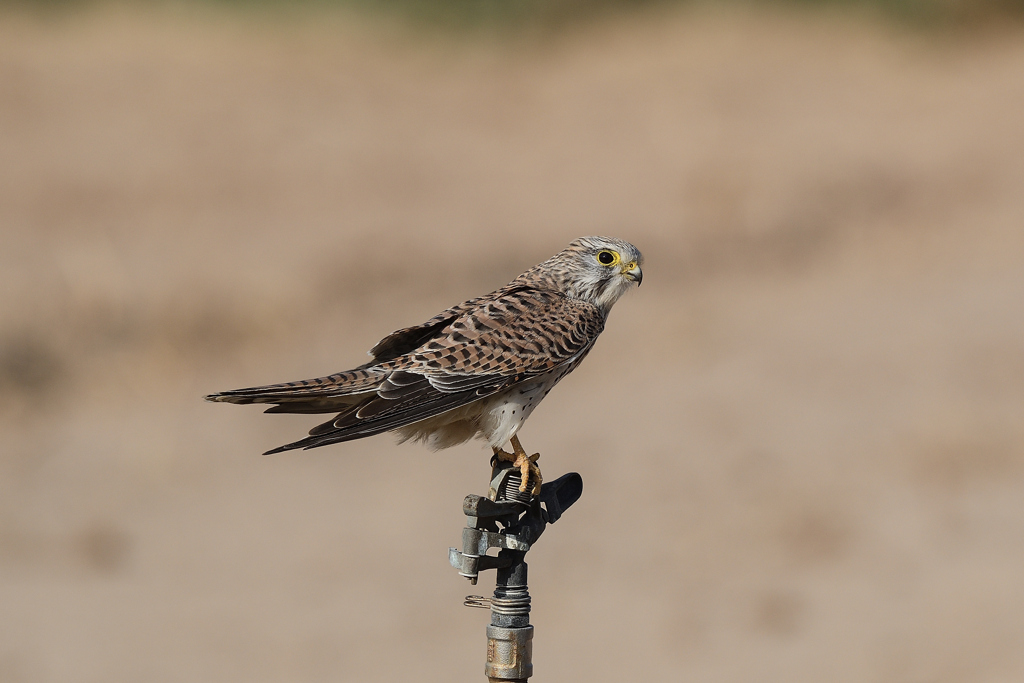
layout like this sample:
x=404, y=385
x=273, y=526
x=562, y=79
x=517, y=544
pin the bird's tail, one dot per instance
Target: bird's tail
x=319, y=395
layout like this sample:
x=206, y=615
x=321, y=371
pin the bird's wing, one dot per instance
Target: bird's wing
x=522, y=332
x=408, y=339
x=332, y=392
x=490, y=347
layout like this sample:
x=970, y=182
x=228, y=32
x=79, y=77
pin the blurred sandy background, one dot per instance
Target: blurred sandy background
x=802, y=439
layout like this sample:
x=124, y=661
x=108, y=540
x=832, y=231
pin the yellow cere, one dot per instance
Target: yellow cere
x=629, y=266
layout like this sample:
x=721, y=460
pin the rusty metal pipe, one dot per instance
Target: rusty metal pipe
x=509, y=654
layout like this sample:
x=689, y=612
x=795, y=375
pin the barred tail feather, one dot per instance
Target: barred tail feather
x=325, y=390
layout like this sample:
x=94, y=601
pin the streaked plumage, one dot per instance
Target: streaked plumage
x=477, y=369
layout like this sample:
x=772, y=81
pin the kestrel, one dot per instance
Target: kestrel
x=477, y=369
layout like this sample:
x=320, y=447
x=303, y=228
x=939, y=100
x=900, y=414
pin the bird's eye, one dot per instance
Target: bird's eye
x=607, y=258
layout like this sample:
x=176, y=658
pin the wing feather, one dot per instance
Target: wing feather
x=336, y=386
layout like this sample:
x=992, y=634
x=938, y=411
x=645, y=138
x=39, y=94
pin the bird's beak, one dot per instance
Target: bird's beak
x=633, y=272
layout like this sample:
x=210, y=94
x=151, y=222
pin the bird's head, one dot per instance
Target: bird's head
x=597, y=269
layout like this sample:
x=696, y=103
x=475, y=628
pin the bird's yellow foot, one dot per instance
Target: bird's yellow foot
x=527, y=464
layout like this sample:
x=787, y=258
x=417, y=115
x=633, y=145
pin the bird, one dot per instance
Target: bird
x=475, y=370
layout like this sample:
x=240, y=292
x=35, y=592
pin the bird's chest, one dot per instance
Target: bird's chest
x=510, y=410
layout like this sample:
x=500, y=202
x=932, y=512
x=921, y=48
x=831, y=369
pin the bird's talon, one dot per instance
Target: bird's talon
x=537, y=478
x=525, y=463
x=529, y=471
x=502, y=456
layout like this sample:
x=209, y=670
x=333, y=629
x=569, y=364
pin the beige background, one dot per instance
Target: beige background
x=802, y=439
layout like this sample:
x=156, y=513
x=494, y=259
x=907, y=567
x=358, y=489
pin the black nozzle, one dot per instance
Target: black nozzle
x=559, y=495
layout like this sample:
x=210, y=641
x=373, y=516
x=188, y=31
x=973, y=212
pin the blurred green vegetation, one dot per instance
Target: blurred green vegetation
x=513, y=14
x=547, y=13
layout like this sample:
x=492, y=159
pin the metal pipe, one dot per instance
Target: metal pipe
x=510, y=635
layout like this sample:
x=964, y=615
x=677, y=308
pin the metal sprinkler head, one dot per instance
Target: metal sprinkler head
x=511, y=521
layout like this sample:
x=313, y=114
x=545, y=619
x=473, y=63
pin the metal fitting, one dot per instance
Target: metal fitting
x=509, y=653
